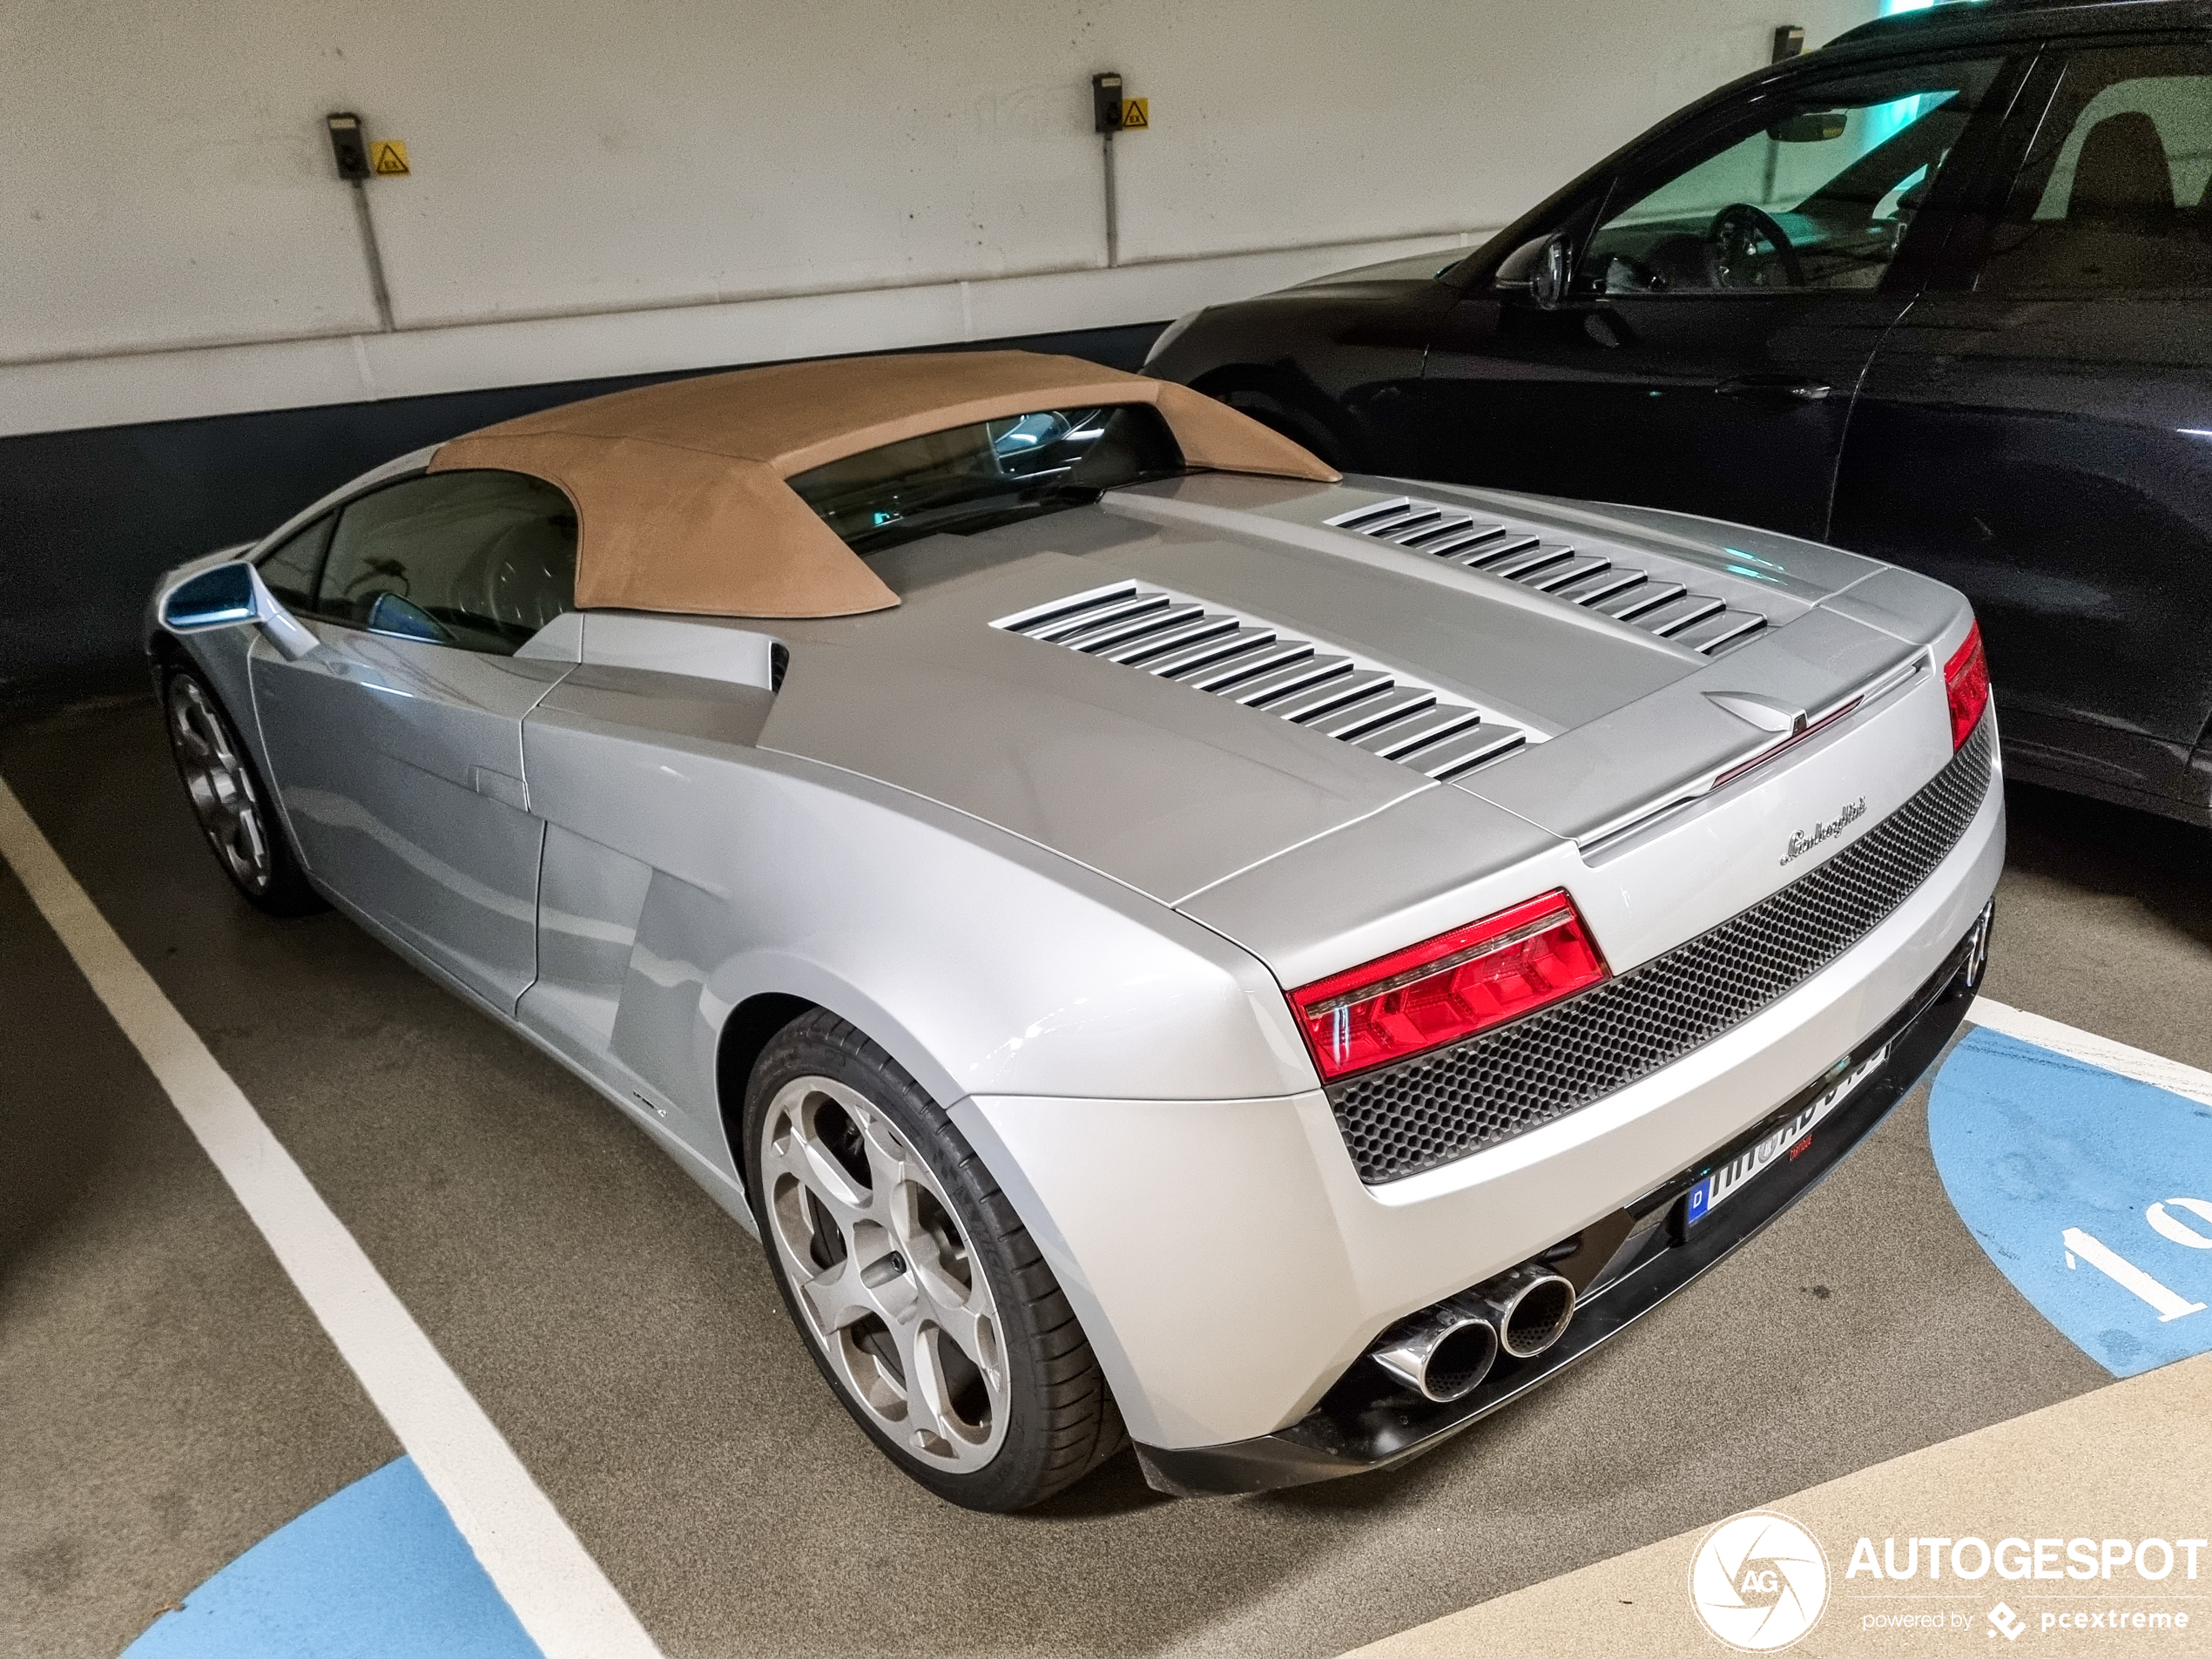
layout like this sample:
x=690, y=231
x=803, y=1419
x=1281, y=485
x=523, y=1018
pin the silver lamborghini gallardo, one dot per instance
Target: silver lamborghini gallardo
x=1161, y=943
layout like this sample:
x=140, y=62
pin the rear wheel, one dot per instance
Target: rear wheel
x=924, y=1301
x=228, y=799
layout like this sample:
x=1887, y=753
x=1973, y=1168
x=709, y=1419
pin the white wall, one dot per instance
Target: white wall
x=602, y=186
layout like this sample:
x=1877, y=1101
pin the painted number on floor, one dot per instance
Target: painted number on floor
x=2085, y=1189
x=2126, y=1274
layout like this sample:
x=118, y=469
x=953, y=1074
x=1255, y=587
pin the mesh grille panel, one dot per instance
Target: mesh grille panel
x=1412, y=1117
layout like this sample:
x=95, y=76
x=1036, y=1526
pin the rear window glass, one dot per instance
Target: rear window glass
x=975, y=477
x=2113, y=198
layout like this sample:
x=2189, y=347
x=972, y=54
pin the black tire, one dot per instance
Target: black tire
x=1059, y=1419
x=235, y=811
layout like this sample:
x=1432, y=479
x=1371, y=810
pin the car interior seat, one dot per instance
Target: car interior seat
x=2122, y=176
x=2122, y=229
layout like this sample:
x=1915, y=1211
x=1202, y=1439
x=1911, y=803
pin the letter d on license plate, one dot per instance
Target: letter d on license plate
x=1712, y=1190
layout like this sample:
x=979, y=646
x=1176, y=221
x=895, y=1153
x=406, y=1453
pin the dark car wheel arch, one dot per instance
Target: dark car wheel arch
x=1287, y=403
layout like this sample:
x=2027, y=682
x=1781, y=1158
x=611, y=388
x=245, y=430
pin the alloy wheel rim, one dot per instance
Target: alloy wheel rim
x=886, y=1284
x=219, y=786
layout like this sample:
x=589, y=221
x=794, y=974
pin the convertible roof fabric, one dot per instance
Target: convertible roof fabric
x=680, y=488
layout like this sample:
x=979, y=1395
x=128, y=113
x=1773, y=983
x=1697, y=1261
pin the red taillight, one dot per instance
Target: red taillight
x=1447, y=987
x=1965, y=677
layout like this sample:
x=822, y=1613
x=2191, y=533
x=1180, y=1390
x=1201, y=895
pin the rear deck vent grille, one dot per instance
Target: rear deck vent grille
x=1336, y=694
x=1642, y=600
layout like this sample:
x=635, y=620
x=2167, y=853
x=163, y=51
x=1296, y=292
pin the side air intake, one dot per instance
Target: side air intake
x=1335, y=693
x=1652, y=603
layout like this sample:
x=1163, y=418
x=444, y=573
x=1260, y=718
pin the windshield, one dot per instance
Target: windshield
x=973, y=477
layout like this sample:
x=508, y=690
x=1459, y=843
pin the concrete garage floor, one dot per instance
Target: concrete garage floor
x=166, y=1400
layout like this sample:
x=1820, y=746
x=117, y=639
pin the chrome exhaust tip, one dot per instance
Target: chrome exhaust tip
x=1444, y=1353
x=1531, y=1306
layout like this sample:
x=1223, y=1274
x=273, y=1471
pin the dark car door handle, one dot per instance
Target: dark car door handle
x=1774, y=388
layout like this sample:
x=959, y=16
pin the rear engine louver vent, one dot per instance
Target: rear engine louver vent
x=1652, y=603
x=1338, y=695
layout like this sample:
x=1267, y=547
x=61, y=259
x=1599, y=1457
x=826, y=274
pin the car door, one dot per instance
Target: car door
x=1727, y=286
x=397, y=744
x=2037, y=431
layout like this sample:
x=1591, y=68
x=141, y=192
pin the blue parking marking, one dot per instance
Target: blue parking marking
x=2090, y=1191
x=377, y=1571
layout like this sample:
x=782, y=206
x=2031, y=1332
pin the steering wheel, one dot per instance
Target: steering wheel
x=1738, y=228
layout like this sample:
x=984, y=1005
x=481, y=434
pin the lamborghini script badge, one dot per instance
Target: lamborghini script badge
x=1803, y=841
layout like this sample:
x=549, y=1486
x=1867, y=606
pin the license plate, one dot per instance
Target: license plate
x=1732, y=1178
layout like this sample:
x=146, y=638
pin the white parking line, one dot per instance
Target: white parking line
x=557, y=1590
x=2139, y=1064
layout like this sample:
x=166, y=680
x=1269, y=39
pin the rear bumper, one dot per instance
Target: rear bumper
x=1363, y=1422
x=1231, y=1269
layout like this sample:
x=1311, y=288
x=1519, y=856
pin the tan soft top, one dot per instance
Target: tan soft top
x=679, y=492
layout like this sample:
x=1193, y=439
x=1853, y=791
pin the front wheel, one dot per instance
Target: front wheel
x=228, y=799
x=923, y=1299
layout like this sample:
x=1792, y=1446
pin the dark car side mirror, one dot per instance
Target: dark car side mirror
x=1538, y=271
x=223, y=596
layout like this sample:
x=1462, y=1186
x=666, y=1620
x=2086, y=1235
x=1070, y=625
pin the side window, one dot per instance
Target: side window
x=1814, y=190
x=2111, y=196
x=290, y=568
x=477, y=560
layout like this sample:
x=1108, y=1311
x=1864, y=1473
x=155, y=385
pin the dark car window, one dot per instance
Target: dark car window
x=2111, y=197
x=1814, y=191
x=289, y=569
x=973, y=477
x=477, y=560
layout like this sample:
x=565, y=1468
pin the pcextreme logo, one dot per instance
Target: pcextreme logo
x=1758, y=1581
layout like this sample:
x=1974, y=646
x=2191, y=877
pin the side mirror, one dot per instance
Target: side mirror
x=1539, y=271
x=225, y=595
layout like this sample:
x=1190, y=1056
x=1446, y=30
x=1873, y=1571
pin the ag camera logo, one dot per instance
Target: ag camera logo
x=1758, y=1581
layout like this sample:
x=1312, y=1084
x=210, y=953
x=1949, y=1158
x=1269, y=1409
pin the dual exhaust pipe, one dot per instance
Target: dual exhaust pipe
x=1446, y=1352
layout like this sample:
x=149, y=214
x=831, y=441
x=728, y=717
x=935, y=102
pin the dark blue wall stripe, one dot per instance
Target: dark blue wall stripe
x=88, y=519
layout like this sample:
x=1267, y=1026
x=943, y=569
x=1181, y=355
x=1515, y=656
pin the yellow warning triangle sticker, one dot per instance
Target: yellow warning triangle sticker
x=388, y=157
x=1137, y=112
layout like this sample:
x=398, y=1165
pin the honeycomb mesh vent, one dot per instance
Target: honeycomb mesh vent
x=1402, y=1119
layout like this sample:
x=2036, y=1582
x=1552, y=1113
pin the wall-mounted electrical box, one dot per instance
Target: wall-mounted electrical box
x=348, y=144
x=359, y=159
x=1106, y=102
